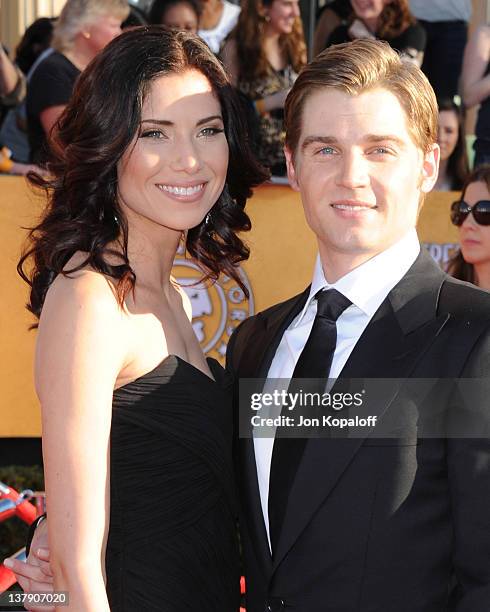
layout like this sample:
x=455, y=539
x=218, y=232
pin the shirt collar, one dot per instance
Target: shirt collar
x=367, y=285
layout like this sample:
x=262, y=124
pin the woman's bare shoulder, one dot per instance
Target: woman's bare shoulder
x=83, y=285
x=83, y=298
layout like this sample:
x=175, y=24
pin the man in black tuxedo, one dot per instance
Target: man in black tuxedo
x=366, y=523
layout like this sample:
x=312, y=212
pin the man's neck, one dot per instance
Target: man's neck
x=337, y=264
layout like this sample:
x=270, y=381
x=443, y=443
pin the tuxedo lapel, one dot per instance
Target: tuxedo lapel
x=255, y=362
x=269, y=328
x=392, y=344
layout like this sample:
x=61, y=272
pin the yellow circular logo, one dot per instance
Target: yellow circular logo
x=216, y=308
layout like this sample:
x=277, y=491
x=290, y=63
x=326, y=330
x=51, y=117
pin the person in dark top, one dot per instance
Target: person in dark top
x=50, y=88
x=476, y=89
x=36, y=39
x=391, y=22
x=34, y=46
x=82, y=30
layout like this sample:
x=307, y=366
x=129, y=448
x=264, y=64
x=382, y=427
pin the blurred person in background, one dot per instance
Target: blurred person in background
x=12, y=82
x=476, y=89
x=330, y=17
x=388, y=20
x=10, y=166
x=218, y=19
x=453, y=164
x=36, y=39
x=82, y=30
x=176, y=14
x=32, y=49
x=446, y=25
x=471, y=214
x=263, y=56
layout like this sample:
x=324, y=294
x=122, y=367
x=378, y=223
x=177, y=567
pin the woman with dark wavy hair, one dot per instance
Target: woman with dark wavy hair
x=388, y=20
x=263, y=56
x=137, y=428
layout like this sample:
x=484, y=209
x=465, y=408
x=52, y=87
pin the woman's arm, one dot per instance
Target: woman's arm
x=9, y=76
x=476, y=86
x=78, y=357
x=49, y=116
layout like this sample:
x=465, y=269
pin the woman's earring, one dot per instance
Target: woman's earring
x=207, y=219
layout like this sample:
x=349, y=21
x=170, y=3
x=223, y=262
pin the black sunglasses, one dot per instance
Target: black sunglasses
x=461, y=209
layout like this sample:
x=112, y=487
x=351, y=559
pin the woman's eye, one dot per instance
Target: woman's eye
x=152, y=134
x=211, y=131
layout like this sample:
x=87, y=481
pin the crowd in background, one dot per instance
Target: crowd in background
x=263, y=47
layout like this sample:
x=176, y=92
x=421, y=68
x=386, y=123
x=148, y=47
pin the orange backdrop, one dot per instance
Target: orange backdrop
x=283, y=251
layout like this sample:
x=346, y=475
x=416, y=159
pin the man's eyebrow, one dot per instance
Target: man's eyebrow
x=166, y=122
x=385, y=138
x=330, y=140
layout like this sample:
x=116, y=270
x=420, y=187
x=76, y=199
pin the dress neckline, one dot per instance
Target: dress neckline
x=179, y=360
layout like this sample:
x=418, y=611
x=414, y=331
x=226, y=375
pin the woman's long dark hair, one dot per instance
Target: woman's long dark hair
x=457, y=266
x=96, y=128
x=458, y=166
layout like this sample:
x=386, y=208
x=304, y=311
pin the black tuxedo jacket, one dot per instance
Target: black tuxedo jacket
x=379, y=524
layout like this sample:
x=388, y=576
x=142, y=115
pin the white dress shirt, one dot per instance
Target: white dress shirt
x=366, y=287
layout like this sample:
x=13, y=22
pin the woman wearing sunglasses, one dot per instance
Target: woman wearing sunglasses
x=471, y=214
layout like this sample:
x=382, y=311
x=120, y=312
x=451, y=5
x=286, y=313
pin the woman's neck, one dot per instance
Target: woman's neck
x=372, y=24
x=482, y=275
x=80, y=55
x=273, y=51
x=151, y=251
x=271, y=35
x=211, y=14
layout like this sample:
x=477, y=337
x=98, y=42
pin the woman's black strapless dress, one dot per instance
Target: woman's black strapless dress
x=172, y=543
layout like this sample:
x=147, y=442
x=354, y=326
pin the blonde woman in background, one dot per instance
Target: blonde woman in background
x=82, y=30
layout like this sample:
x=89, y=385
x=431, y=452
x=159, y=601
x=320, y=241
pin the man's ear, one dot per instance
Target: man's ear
x=430, y=168
x=291, y=171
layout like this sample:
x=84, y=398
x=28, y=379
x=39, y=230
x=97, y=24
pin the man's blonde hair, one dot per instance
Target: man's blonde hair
x=76, y=15
x=357, y=67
